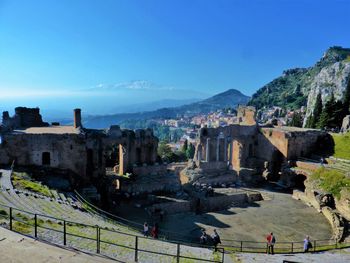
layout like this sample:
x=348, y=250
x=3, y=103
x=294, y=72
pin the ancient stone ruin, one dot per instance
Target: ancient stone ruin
x=248, y=150
x=27, y=140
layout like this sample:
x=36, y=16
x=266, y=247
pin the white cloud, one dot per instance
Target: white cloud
x=132, y=85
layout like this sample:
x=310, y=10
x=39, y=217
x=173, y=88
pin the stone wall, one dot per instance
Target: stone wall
x=23, y=118
x=27, y=140
x=208, y=204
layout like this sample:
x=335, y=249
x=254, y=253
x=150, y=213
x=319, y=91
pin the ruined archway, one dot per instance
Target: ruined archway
x=276, y=163
x=299, y=182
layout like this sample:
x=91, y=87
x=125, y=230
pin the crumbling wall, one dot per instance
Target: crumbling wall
x=136, y=148
x=65, y=151
x=23, y=118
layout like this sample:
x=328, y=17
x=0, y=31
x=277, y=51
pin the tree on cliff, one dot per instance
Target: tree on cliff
x=297, y=120
x=332, y=114
x=315, y=116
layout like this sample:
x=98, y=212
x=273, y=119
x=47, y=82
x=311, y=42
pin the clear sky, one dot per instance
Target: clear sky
x=68, y=53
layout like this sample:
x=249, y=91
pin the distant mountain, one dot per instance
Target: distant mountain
x=154, y=105
x=300, y=86
x=229, y=98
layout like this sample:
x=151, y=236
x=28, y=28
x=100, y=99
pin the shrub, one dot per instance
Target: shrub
x=332, y=181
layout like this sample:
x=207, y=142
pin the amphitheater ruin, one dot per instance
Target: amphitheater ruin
x=241, y=178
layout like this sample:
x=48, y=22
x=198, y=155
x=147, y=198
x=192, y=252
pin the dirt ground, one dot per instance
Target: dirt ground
x=288, y=219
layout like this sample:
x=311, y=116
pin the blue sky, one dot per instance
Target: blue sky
x=62, y=54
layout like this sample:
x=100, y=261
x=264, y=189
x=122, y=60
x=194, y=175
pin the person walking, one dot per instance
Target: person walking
x=204, y=237
x=145, y=229
x=155, y=231
x=307, y=244
x=271, y=240
x=216, y=240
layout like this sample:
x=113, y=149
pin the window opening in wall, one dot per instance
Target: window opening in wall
x=46, y=158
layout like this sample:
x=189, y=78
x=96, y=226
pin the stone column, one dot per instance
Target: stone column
x=225, y=150
x=207, y=153
x=230, y=154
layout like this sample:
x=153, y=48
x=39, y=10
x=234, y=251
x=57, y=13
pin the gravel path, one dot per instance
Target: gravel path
x=5, y=179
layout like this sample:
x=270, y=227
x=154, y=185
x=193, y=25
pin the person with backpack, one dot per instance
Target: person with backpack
x=216, y=240
x=271, y=240
x=307, y=244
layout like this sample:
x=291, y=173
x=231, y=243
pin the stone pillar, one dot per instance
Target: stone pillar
x=123, y=160
x=77, y=118
x=225, y=151
x=207, y=149
x=199, y=153
x=230, y=153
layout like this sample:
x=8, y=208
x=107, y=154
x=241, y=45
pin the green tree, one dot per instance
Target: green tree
x=190, y=151
x=165, y=152
x=314, y=119
x=330, y=114
x=297, y=120
x=185, y=146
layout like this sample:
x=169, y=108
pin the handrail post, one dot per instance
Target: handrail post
x=241, y=246
x=223, y=255
x=178, y=253
x=35, y=226
x=314, y=245
x=336, y=245
x=98, y=240
x=10, y=218
x=136, y=248
x=64, y=233
x=292, y=246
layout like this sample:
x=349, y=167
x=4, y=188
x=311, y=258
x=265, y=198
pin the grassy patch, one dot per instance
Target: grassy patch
x=21, y=227
x=24, y=181
x=332, y=181
x=341, y=148
x=347, y=59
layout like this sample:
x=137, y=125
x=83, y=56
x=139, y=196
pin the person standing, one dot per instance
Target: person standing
x=271, y=240
x=216, y=240
x=145, y=229
x=204, y=237
x=307, y=244
x=155, y=231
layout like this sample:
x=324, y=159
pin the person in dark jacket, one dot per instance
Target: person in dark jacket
x=216, y=240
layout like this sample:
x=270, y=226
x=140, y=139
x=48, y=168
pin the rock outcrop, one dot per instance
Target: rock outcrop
x=346, y=124
x=331, y=79
x=299, y=87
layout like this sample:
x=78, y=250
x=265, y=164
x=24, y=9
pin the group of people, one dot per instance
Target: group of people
x=154, y=230
x=204, y=239
x=215, y=238
x=271, y=240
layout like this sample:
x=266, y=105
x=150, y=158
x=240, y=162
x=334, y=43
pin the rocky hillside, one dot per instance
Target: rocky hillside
x=300, y=86
x=230, y=98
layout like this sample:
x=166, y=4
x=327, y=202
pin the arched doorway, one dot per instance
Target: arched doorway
x=299, y=182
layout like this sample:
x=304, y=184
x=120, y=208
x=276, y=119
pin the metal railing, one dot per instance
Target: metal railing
x=127, y=246
x=284, y=247
x=104, y=241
